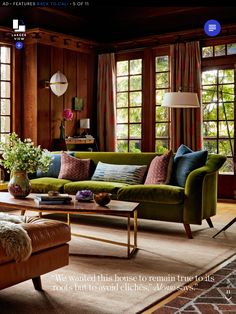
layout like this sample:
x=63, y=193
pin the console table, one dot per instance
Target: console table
x=82, y=143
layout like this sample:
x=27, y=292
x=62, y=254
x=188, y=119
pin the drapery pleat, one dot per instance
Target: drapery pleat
x=106, y=102
x=186, y=124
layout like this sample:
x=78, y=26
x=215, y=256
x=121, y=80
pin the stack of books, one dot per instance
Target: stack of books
x=45, y=199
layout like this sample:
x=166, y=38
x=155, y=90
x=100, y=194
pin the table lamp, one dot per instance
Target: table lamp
x=84, y=124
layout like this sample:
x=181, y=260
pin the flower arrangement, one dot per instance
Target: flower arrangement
x=67, y=115
x=23, y=156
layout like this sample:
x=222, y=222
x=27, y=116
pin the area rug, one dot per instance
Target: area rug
x=217, y=295
x=166, y=260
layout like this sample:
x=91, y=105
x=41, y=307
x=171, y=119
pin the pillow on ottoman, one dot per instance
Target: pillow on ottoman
x=73, y=168
x=160, y=169
x=186, y=161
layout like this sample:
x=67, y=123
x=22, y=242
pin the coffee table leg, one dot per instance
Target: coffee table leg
x=135, y=228
x=68, y=219
x=128, y=234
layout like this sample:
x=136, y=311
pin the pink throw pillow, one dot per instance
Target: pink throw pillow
x=73, y=168
x=160, y=169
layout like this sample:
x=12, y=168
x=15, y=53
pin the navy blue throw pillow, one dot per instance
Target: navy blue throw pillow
x=54, y=168
x=186, y=161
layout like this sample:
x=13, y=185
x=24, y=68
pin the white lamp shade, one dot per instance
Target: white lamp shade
x=58, y=83
x=84, y=123
x=181, y=100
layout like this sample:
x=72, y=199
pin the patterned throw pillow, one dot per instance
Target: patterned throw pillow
x=160, y=169
x=54, y=168
x=73, y=168
x=129, y=174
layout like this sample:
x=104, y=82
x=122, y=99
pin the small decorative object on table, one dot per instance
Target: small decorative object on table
x=102, y=198
x=84, y=195
x=53, y=193
x=21, y=158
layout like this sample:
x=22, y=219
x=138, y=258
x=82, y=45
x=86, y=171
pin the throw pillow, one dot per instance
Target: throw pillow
x=54, y=168
x=160, y=169
x=185, y=163
x=130, y=174
x=73, y=168
x=182, y=150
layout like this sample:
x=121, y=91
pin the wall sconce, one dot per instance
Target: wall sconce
x=181, y=100
x=58, y=83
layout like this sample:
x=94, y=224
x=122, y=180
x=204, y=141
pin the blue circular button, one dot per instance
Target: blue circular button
x=19, y=45
x=212, y=28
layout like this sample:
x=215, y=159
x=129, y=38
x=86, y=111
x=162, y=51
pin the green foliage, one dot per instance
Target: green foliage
x=161, y=146
x=162, y=64
x=18, y=155
x=136, y=66
x=136, y=82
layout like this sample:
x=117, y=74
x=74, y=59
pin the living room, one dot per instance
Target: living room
x=106, y=104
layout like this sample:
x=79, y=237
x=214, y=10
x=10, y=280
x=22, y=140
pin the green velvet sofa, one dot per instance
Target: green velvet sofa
x=189, y=205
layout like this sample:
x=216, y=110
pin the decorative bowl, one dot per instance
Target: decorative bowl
x=102, y=198
x=53, y=193
x=84, y=195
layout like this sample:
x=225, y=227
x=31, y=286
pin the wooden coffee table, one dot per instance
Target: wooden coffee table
x=114, y=208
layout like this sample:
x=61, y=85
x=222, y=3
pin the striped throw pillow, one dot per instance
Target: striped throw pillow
x=129, y=174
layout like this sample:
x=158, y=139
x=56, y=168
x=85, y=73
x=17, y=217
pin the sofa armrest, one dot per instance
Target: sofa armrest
x=201, y=191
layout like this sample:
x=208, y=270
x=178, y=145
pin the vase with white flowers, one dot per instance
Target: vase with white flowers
x=21, y=158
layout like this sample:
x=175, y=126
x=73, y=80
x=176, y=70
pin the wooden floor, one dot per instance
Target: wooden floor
x=226, y=211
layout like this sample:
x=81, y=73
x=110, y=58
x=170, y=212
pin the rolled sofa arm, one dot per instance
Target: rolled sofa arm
x=201, y=191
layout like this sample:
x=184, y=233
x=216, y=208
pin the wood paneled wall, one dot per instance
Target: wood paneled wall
x=42, y=110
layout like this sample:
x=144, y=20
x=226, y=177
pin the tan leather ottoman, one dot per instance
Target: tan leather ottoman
x=49, y=252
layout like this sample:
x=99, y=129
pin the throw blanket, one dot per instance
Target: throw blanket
x=13, y=238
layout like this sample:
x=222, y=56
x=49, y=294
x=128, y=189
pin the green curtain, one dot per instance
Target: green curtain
x=186, y=124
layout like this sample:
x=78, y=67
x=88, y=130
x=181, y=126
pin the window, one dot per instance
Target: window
x=162, y=80
x=219, y=50
x=5, y=91
x=218, y=98
x=129, y=105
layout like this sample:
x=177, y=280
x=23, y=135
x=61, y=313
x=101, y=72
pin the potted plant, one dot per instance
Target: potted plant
x=20, y=158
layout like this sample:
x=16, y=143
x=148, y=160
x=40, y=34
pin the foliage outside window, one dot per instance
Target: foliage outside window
x=5, y=92
x=218, y=99
x=129, y=105
x=162, y=81
x=219, y=50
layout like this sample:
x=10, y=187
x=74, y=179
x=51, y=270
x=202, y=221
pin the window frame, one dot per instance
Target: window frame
x=11, y=91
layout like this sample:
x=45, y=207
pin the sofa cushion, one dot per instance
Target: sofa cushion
x=129, y=174
x=160, y=169
x=54, y=168
x=73, y=168
x=94, y=186
x=43, y=185
x=163, y=194
x=185, y=162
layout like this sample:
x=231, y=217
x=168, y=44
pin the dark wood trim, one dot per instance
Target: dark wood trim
x=227, y=32
x=39, y=35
